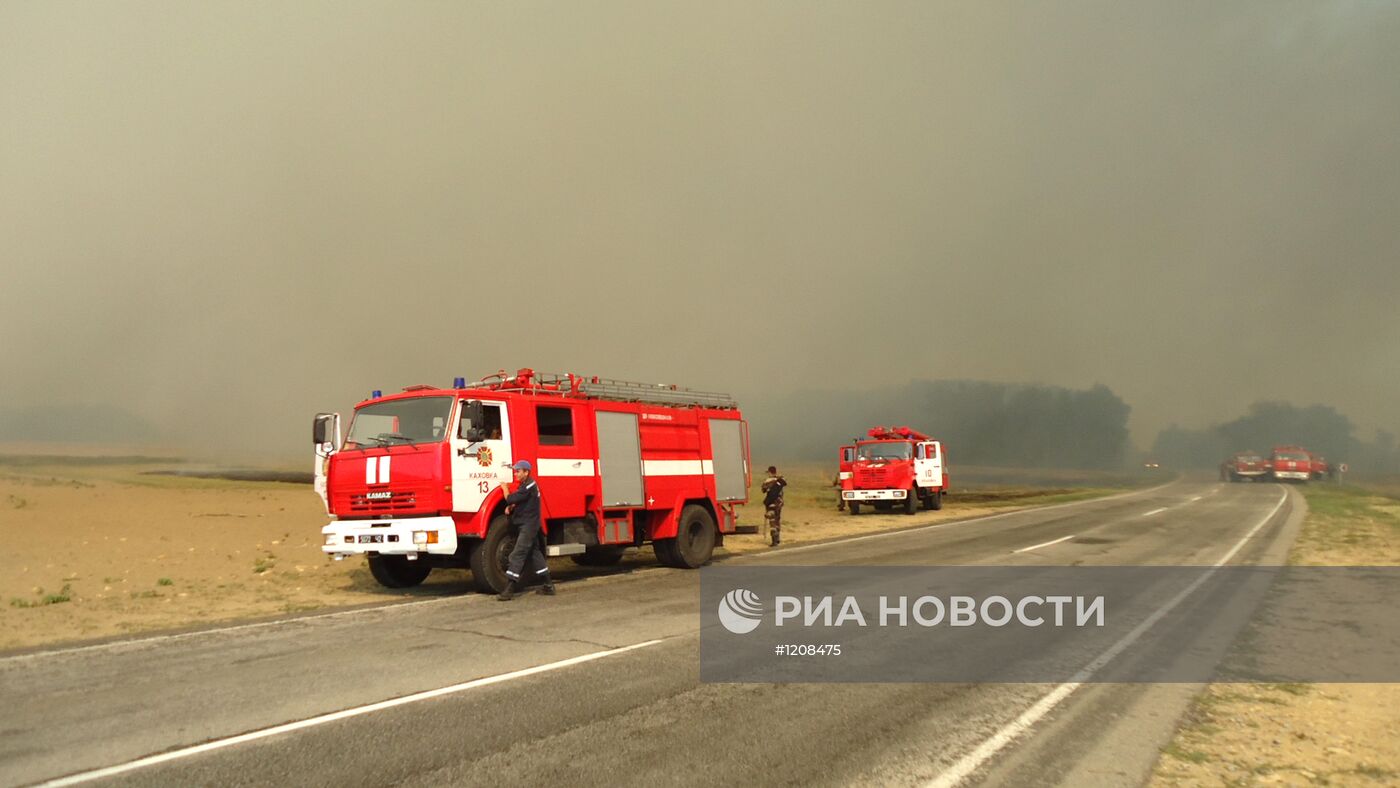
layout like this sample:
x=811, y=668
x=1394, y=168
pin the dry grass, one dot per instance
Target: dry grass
x=1303, y=734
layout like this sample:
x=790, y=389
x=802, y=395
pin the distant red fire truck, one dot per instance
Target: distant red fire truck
x=1291, y=463
x=1319, y=466
x=894, y=466
x=417, y=482
x=1244, y=465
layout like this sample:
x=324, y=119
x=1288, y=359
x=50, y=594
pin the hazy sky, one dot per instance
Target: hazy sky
x=226, y=216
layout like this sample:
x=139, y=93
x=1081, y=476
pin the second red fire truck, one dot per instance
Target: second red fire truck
x=1291, y=463
x=417, y=482
x=894, y=467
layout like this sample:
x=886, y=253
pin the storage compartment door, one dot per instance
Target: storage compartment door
x=727, y=442
x=620, y=459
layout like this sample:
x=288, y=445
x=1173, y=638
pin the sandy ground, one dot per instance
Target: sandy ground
x=97, y=550
x=1302, y=734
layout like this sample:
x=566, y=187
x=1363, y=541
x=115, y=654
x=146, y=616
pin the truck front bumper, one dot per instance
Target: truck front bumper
x=874, y=495
x=410, y=536
x=1299, y=475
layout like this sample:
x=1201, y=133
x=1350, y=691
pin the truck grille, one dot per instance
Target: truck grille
x=396, y=502
x=872, y=478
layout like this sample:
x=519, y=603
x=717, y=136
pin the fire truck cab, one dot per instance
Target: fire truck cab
x=420, y=478
x=893, y=467
x=1291, y=463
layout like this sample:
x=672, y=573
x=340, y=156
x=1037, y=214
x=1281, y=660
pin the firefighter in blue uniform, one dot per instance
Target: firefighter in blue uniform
x=523, y=508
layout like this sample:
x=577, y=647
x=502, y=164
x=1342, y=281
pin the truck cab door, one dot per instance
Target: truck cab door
x=479, y=466
x=846, y=459
x=928, y=464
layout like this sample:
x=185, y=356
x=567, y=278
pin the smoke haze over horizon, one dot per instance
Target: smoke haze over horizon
x=222, y=217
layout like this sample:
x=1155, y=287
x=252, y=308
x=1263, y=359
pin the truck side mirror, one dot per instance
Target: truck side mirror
x=320, y=428
x=471, y=427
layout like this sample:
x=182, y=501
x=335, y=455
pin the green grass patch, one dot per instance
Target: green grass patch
x=1374, y=772
x=1350, y=518
x=64, y=595
x=1183, y=754
x=165, y=581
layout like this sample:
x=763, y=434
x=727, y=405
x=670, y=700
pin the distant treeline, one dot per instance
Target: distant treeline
x=982, y=423
x=67, y=424
x=1318, y=428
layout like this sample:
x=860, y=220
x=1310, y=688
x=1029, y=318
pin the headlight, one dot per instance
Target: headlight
x=425, y=537
x=328, y=539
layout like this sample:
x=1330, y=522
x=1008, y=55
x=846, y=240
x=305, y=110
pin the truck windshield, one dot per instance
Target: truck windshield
x=885, y=451
x=400, y=422
x=1291, y=455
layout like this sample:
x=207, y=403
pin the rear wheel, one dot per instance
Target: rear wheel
x=598, y=556
x=396, y=571
x=694, y=544
x=490, y=558
x=937, y=498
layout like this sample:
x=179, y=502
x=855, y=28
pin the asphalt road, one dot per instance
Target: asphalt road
x=634, y=716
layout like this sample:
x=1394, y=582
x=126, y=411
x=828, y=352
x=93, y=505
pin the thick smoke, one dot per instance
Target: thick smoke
x=220, y=218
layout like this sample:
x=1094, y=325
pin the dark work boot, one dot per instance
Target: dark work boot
x=511, y=592
x=547, y=589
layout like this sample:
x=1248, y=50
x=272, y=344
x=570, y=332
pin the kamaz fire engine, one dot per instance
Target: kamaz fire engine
x=417, y=483
x=1291, y=463
x=894, y=466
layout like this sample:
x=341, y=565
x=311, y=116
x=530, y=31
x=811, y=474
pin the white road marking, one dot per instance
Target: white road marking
x=973, y=760
x=276, y=730
x=1043, y=544
x=217, y=630
x=1155, y=511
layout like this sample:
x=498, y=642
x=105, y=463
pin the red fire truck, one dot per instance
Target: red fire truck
x=896, y=466
x=1318, y=466
x=417, y=482
x=1291, y=463
x=1244, y=465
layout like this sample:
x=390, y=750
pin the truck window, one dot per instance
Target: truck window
x=491, y=421
x=556, y=425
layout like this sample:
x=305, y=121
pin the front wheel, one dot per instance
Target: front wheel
x=396, y=571
x=853, y=507
x=911, y=498
x=490, y=558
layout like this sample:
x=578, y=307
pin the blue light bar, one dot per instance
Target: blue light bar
x=459, y=383
x=376, y=394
